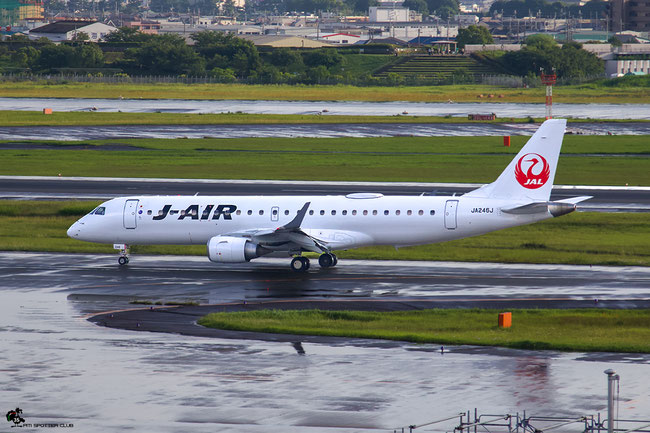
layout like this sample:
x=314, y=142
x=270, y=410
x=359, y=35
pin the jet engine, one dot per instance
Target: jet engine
x=229, y=249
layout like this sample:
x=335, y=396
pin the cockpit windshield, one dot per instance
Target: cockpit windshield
x=101, y=210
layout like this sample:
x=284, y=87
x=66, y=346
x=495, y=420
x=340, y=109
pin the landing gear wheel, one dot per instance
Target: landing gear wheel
x=326, y=260
x=300, y=264
x=336, y=260
x=123, y=260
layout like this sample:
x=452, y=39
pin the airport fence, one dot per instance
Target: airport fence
x=395, y=79
x=473, y=422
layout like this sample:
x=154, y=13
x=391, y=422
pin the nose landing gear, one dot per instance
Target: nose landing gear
x=124, y=253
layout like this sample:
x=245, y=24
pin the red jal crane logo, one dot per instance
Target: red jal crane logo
x=536, y=171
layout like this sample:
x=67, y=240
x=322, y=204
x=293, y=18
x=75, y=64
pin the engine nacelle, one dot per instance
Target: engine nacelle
x=230, y=249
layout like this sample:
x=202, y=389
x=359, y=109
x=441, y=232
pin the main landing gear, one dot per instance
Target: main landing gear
x=124, y=253
x=301, y=264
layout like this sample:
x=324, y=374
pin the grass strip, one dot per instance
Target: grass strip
x=595, y=160
x=578, y=238
x=586, y=93
x=589, y=330
x=86, y=118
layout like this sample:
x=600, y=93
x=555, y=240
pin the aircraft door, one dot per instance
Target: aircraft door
x=450, y=214
x=130, y=214
x=275, y=212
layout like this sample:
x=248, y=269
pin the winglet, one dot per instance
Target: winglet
x=297, y=221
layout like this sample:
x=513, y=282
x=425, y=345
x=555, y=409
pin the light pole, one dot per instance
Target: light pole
x=611, y=378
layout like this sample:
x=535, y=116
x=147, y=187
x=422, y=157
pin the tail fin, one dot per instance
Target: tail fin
x=529, y=176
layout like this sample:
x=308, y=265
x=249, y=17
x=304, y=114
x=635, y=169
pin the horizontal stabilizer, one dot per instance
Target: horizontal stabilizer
x=526, y=209
x=556, y=208
x=575, y=200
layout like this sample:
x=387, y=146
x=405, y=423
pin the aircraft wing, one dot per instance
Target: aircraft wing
x=289, y=236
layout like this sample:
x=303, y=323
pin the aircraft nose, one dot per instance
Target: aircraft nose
x=73, y=231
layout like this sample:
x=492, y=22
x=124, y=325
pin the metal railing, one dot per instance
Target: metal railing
x=523, y=423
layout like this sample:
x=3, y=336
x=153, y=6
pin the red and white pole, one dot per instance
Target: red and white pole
x=549, y=80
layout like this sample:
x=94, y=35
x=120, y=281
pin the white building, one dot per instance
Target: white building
x=68, y=30
x=341, y=38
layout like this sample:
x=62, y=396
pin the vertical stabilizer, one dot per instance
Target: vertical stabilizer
x=529, y=176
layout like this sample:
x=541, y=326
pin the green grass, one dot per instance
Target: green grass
x=578, y=238
x=357, y=65
x=589, y=93
x=567, y=330
x=416, y=159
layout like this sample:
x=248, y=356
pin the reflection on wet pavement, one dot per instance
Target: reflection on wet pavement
x=58, y=367
x=302, y=130
x=328, y=108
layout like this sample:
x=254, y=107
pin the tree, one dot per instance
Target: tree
x=227, y=51
x=542, y=53
x=443, y=8
x=326, y=57
x=89, y=56
x=541, y=42
x=26, y=57
x=166, y=54
x=127, y=34
x=474, y=35
x=420, y=6
x=81, y=37
x=286, y=60
x=616, y=42
x=228, y=8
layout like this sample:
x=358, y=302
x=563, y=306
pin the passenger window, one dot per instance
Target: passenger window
x=261, y=212
x=420, y=212
x=275, y=212
x=409, y=212
x=386, y=212
x=286, y=212
x=397, y=212
x=374, y=212
x=238, y=212
x=354, y=212
x=365, y=212
x=333, y=212
x=149, y=212
x=432, y=212
x=311, y=212
x=322, y=212
x=250, y=212
x=344, y=212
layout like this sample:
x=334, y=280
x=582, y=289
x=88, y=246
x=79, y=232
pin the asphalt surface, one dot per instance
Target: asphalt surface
x=325, y=108
x=16, y=133
x=58, y=367
x=16, y=187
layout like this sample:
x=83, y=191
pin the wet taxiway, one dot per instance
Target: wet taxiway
x=344, y=108
x=605, y=198
x=59, y=367
x=89, y=132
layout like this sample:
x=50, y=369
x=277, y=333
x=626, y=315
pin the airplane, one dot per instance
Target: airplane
x=237, y=229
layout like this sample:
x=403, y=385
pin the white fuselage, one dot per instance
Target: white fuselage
x=340, y=221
